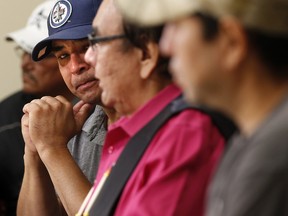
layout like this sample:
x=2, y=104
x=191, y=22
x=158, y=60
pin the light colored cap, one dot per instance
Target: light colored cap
x=270, y=16
x=35, y=29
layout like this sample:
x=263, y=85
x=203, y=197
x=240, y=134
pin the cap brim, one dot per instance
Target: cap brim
x=43, y=48
x=26, y=37
x=155, y=12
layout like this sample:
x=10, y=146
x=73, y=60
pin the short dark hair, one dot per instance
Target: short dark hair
x=210, y=25
x=271, y=49
x=140, y=37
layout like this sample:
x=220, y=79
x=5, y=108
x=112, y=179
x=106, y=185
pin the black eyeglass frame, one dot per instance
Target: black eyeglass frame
x=94, y=39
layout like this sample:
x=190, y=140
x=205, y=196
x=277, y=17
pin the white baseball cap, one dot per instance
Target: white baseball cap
x=35, y=29
x=269, y=16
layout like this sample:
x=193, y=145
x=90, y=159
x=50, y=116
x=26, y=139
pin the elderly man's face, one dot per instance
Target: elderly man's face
x=116, y=67
x=41, y=78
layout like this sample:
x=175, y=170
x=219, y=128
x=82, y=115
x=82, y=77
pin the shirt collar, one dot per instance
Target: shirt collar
x=95, y=120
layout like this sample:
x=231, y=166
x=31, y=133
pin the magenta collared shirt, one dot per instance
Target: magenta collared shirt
x=172, y=176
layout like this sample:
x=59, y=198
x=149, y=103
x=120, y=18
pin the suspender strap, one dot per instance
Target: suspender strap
x=225, y=126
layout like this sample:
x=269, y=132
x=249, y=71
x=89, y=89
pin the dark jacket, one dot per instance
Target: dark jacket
x=11, y=150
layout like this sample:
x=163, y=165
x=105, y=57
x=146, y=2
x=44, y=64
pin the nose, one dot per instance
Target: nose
x=166, y=41
x=78, y=64
x=90, y=57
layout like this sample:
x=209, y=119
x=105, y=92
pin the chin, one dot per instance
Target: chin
x=192, y=98
x=104, y=99
x=106, y=103
x=30, y=91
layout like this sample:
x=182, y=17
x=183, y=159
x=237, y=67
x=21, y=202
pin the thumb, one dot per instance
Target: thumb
x=25, y=127
x=25, y=120
x=81, y=114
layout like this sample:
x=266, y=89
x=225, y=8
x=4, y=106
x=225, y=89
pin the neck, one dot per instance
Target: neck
x=141, y=96
x=112, y=115
x=254, y=99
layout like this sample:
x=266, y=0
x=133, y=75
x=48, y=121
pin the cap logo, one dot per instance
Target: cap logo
x=38, y=19
x=60, y=13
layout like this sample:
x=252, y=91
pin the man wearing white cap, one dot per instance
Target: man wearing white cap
x=232, y=55
x=39, y=79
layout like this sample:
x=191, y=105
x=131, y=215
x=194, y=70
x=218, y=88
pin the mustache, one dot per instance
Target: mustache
x=83, y=80
x=29, y=75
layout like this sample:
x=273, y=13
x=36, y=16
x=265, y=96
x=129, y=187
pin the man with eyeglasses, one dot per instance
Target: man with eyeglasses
x=51, y=172
x=179, y=158
x=38, y=79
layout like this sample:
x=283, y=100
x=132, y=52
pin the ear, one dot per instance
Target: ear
x=235, y=42
x=149, y=59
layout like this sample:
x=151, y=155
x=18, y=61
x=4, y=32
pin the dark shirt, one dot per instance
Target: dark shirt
x=252, y=177
x=11, y=151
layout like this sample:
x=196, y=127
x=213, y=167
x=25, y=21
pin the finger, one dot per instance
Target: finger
x=39, y=105
x=61, y=98
x=78, y=106
x=25, y=120
x=25, y=126
x=64, y=101
x=54, y=103
x=26, y=107
x=31, y=106
x=51, y=100
x=47, y=98
x=82, y=114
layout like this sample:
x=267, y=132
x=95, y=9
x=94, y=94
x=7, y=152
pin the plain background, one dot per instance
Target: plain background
x=13, y=16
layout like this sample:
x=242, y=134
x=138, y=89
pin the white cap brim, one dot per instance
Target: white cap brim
x=26, y=37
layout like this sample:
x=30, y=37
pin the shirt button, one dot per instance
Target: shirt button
x=110, y=149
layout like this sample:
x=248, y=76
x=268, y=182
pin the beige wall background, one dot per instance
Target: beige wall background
x=13, y=15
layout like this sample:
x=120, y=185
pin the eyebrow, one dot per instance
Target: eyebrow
x=75, y=43
x=95, y=31
x=56, y=48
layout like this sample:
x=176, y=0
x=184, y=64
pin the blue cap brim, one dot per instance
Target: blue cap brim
x=43, y=48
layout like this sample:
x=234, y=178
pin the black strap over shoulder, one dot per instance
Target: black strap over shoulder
x=109, y=195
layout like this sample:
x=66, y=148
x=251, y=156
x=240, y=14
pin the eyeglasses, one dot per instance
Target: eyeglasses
x=93, y=40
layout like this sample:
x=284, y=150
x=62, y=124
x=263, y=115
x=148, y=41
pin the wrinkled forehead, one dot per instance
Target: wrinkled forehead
x=108, y=19
x=58, y=45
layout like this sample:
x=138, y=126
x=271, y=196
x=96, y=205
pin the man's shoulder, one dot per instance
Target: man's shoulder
x=205, y=120
x=12, y=99
x=11, y=107
x=15, y=100
x=196, y=115
x=274, y=127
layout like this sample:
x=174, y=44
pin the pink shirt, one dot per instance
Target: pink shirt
x=171, y=177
